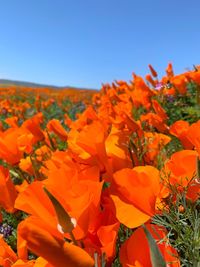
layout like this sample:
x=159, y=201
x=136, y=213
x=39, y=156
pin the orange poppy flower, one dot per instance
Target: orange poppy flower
x=89, y=145
x=7, y=255
x=34, y=201
x=85, y=118
x=12, y=121
x=26, y=165
x=156, y=121
x=33, y=126
x=141, y=94
x=117, y=149
x=55, y=250
x=135, y=193
x=180, y=130
x=154, y=143
x=8, y=146
x=14, y=142
x=169, y=71
x=180, y=171
x=67, y=120
x=135, y=251
x=56, y=127
x=149, y=79
x=8, y=191
x=103, y=231
x=80, y=198
x=194, y=136
x=195, y=76
x=159, y=110
x=180, y=83
x=153, y=72
x=103, y=242
x=39, y=262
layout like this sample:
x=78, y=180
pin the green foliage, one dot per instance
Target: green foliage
x=137, y=112
x=173, y=146
x=61, y=145
x=182, y=107
x=75, y=109
x=53, y=111
x=30, y=112
x=157, y=259
x=123, y=234
x=13, y=219
x=182, y=220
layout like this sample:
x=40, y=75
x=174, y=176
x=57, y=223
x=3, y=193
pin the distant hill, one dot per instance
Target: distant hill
x=5, y=83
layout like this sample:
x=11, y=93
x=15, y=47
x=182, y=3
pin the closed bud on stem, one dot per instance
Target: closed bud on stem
x=153, y=72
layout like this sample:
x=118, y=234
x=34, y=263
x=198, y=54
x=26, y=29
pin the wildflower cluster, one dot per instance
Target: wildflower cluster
x=108, y=178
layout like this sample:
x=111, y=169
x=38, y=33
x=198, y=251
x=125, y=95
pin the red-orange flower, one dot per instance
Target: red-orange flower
x=180, y=171
x=135, y=252
x=180, y=130
x=8, y=192
x=55, y=250
x=194, y=136
x=56, y=127
x=7, y=255
x=135, y=193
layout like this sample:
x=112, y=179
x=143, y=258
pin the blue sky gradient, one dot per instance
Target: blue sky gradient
x=85, y=43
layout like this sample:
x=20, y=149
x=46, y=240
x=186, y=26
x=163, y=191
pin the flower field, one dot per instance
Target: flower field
x=107, y=178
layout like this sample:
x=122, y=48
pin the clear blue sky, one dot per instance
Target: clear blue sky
x=89, y=42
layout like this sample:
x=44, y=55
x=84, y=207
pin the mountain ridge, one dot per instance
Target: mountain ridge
x=8, y=82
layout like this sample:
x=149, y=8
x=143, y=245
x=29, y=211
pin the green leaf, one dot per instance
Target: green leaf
x=157, y=259
x=64, y=219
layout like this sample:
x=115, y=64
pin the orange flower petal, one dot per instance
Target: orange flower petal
x=56, y=251
x=128, y=214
